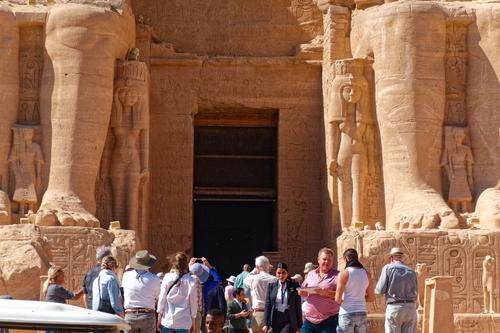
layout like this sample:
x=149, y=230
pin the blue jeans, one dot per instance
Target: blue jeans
x=328, y=325
x=352, y=323
x=172, y=330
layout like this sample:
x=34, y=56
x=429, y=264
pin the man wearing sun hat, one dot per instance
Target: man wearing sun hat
x=141, y=289
x=399, y=284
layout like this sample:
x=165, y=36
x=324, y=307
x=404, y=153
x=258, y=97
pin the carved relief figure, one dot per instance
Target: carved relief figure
x=488, y=280
x=457, y=161
x=349, y=118
x=26, y=160
x=129, y=156
x=423, y=272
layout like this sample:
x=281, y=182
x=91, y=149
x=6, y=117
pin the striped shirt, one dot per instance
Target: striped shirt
x=318, y=308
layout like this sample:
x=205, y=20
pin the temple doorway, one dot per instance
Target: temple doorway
x=234, y=203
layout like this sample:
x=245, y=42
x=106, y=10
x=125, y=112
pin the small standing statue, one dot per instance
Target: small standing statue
x=349, y=118
x=130, y=124
x=422, y=274
x=457, y=161
x=26, y=160
x=488, y=283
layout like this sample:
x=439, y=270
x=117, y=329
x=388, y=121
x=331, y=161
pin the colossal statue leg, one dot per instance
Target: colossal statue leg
x=407, y=41
x=83, y=43
x=484, y=111
x=9, y=98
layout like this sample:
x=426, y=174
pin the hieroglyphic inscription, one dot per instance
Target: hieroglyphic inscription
x=457, y=254
x=456, y=70
x=73, y=249
x=30, y=72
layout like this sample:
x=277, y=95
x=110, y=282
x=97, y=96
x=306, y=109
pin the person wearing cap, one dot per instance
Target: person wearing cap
x=354, y=289
x=141, y=289
x=309, y=266
x=320, y=309
x=399, y=284
x=178, y=302
x=298, y=278
x=258, y=281
x=90, y=276
x=208, y=275
x=228, y=290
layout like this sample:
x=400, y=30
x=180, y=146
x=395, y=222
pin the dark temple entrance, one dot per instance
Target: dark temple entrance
x=234, y=186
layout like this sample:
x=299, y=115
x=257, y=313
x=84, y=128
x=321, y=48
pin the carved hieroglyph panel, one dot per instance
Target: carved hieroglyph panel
x=73, y=249
x=30, y=72
x=455, y=253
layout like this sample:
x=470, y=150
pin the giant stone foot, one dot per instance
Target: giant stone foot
x=488, y=208
x=66, y=210
x=423, y=208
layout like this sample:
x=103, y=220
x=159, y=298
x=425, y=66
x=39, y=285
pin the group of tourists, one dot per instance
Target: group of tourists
x=192, y=293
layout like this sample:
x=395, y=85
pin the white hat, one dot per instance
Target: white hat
x=231, y=279
x=308, y=267
x=396, y=251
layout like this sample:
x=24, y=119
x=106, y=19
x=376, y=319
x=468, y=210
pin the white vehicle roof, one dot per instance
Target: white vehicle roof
x=36, y=315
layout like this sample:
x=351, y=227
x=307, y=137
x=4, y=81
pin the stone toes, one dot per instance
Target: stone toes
x=449, y=221
x=46, y=218
x=65, y=219
x=79, y=220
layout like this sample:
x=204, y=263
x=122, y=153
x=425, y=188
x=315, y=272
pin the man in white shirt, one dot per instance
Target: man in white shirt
x=258, y=281
x=141, y=289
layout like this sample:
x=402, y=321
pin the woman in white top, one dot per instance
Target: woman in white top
x=354, y=288
x=178, y=302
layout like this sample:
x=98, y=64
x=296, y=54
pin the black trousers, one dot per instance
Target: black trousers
x=281, y=322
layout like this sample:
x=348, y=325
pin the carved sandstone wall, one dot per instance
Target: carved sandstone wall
x=27, y=251
x=180, y=87
x=233, y=28
x=457, y=253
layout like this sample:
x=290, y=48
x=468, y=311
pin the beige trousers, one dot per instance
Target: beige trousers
x=258, y=322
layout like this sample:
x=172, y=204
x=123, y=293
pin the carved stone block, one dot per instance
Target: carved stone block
x=458, y=253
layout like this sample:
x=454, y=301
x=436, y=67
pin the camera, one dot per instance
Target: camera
x=198, y=260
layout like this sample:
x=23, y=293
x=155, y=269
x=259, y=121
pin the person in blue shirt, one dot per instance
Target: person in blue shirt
x=208, y=275
x=106, y=295
x=91, y=275
x=399, y=284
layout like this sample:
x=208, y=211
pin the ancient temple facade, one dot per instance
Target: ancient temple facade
x=228, y=129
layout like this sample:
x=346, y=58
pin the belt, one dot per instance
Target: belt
x=401, y=301
x=139, y=310
x=258, y=310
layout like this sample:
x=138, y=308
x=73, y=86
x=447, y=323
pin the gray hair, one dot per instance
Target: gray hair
x=101, y=252
x=263, y=263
